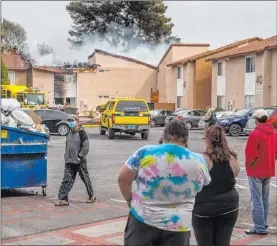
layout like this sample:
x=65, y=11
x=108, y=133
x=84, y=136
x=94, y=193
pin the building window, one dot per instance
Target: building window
x=249, y=101
x=220, y=102
x=219, y=68
x=250, y=64
x=179, y=73
x=12, y=77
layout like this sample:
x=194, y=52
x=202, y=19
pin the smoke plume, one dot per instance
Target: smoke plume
x=148, y=53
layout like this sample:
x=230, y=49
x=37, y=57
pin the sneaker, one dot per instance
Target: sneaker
x=62, y=203
x=253, y=232
x=91, y=199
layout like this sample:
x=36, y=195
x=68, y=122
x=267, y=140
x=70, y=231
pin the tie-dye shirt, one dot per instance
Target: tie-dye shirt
x=168, y=178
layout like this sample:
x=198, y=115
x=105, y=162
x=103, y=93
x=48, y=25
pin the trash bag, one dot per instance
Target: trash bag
x=4, y=119
x=22, y=118
x=9, y=104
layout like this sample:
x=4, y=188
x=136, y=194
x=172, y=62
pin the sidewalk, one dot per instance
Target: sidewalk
x=110, y=232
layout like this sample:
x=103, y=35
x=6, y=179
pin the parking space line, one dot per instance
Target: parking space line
x=274, y=185
x=241, y=187
x=115, y=200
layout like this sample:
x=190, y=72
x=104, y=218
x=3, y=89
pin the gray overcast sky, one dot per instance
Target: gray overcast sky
x=217, y=23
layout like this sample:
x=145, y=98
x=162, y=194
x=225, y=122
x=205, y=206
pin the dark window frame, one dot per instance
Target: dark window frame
x=250, y=64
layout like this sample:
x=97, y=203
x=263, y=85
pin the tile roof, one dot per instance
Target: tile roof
x=65, y=69
x=269, y=43
x=14, y=61
x=123, y=58
x=215, y=51
x=182, y=44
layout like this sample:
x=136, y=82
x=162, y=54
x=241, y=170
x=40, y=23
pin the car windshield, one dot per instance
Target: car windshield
x=155, y=112
x=241, y=112
x=131, y=106
x=34, y=99
x=181, y=112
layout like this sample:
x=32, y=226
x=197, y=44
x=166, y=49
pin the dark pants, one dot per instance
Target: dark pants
x=214, y=231
x=138, y=233
x=70, y=173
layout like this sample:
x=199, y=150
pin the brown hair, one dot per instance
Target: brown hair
x=218, y=149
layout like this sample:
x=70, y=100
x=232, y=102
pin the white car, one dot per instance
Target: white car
x=221, y=114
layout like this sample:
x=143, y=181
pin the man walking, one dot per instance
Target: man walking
x=76, y=150
x=260, y=155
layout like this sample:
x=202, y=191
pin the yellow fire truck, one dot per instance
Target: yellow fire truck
x=28, y=98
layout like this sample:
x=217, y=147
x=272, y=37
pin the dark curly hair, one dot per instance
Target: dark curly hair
x=176, y=130
x=218, y=149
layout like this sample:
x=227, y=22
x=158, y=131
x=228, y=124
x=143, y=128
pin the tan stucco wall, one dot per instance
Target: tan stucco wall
x=110, y=61
x=117, y=82
x=44, y=81
x=190, y=75
x=181, y=52
x=213, y=93
x=274, y=77
x=165, y=83
x=202, y=84
x=20, y=77
x=162, y=84
x=235, y=77
x=266, y=66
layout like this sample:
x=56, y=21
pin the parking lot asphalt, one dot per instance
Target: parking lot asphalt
x=24, y=213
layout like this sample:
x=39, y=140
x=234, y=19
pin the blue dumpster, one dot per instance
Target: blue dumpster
x=23, y=159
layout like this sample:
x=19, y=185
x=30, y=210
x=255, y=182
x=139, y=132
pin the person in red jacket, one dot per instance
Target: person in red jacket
x=260, y=156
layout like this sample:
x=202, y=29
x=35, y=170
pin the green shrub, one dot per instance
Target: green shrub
x=4, y=75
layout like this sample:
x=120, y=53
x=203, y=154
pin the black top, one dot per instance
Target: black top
x=220, y=196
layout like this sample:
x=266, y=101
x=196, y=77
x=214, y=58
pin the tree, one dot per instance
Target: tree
x=44, y=49
x=126, y=23
x=12, y=34
x=4, y=74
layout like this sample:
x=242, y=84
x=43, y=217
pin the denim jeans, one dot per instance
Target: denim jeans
x=259, y=189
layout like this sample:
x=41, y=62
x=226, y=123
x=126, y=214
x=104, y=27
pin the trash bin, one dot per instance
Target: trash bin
x=23, y=159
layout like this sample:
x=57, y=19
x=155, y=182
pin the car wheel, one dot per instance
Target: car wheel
x=101, y=130
x=153, y=123
x=111, y=133
x=144, y=135
x=235, y=130
x=63, y=130
x=189, y=125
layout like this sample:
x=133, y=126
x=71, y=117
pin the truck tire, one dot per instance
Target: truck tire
x=144, y=135
x=111, y=133
x=101, y=130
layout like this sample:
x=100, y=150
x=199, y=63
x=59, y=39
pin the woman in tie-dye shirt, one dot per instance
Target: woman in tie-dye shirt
x=168, y=177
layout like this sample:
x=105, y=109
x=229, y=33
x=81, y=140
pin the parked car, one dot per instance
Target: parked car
x=55, y=120
x=221, y=114
x=174, y=115
x=191, y=117
x=272, y=118
x=158, y=116
x=235, y=123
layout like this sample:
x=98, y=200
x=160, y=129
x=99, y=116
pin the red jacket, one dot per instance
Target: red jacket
x=260, y=152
